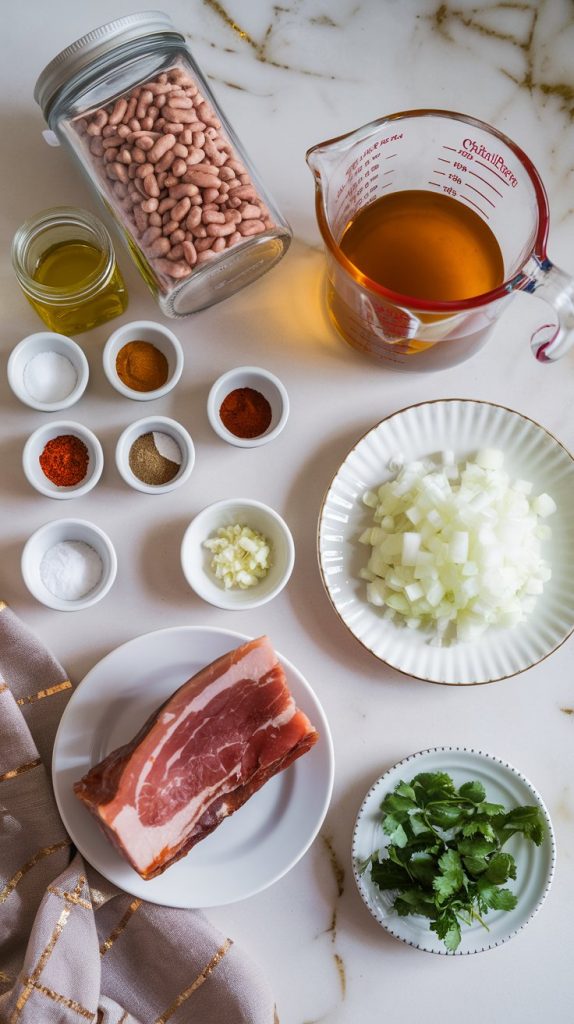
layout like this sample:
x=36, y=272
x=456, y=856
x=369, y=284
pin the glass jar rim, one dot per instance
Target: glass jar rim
x=51, y=218
x=93, y=45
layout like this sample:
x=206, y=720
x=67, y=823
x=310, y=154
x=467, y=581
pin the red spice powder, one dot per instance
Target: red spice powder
x=64, y=460
x=245, y=412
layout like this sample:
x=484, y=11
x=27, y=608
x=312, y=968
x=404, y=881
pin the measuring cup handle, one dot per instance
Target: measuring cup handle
x=553, y=340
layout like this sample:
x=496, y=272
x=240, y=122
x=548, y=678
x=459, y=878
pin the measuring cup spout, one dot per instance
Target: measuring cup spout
x=320, y=160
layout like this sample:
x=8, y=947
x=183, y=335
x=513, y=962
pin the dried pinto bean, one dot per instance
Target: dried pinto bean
x=168, y=164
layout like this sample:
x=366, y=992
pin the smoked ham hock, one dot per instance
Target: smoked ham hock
x=198, y=758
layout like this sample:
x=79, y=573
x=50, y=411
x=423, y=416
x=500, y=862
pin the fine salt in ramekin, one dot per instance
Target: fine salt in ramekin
x=34, y=345
x=66, y=530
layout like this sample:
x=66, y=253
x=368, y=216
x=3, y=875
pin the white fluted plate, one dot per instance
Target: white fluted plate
x=463, y=426
x=534, y=864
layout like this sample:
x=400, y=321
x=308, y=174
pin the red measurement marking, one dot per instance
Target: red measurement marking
x=443, y=161
x=452, y=149
x=492, y=171
x=467, y=200
x=493, y=187
x=477, y=190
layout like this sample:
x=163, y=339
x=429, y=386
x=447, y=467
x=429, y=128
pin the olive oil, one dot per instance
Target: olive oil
x=80, y=287
x=66, y=266
x=69, y=265
x=425, y=246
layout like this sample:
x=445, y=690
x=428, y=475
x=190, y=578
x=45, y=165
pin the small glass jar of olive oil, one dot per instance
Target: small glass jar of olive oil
x=66, y=267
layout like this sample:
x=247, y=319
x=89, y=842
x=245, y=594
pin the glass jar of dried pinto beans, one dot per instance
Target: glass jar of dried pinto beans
x=130, y=101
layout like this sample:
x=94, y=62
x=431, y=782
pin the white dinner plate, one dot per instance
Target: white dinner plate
x=463, y=426
x=534, y=864
x=253, y=847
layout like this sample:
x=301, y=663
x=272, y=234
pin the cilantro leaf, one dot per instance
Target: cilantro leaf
x=396, y=804
x=432, y=786
x=415, y=901
x=388, y=875
x=476, y=847
x=445, y=815
x=403, y=789
x=395, y=831
x=451, y=875
x=473, y=791
x=527, y=820
x=502, y=866
x=447, y=928
x=477, y=825
x=493, y=898
x=422, y=868
x=475, y=865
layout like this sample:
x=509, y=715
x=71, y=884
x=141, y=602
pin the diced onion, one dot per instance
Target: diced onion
x=456, y=547
x=241, y=556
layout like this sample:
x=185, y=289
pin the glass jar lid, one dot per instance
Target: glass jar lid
x=95, y=44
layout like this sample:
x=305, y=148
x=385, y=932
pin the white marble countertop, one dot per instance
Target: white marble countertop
x=298, y=73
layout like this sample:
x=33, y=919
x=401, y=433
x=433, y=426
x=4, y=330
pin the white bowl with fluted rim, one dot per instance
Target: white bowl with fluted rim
x=35, y=345
x=65, y=531
x=196, y=558
x=419, y=431
x=162, y=425
x=35, y=446
x=261, y=380
x=156, y=334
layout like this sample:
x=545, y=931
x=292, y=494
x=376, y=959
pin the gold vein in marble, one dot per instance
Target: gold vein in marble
x=121, y=925
x=342, y=973
x=338, y=870
x=203, y=976
x=14, y=772
x=45, y=851
x=261, y=49
x=41, y=694
x=445, y=15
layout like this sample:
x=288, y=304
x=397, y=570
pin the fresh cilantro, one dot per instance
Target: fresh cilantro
x=444, y=859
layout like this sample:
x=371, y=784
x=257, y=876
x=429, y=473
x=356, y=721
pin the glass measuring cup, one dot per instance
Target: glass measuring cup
x=442, y=152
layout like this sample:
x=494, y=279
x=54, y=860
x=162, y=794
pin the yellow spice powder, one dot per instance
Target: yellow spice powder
x=141, y=366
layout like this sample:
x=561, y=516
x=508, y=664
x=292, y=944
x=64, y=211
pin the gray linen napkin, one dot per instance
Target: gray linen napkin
x=73, y=947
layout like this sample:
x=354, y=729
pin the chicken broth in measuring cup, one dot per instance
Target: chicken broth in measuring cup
x=424, y=245
x=431, y=221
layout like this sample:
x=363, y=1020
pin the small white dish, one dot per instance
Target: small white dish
x=267, y=384
x=534, y=864
x=196, y=558
x=40, y=344
x=57, y=532
x=249, y=851
x=35, y=446
x=155, y=333
x=464, y=426
x=161, y=425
